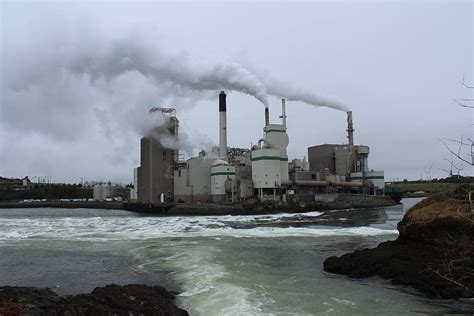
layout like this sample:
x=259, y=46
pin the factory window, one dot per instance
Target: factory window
x=179, y=173
x=164, y=155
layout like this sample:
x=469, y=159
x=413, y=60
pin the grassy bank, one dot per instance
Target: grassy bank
x=453, y=204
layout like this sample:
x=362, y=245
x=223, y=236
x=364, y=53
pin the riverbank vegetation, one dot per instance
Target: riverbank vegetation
x=14, y=190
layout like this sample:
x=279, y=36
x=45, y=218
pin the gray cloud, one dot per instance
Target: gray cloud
x=78, y=79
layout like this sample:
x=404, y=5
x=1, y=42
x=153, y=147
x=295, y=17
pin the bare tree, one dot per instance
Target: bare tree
x=428, y=171
x=456, y=147
x=459, y=154
x=464, y=101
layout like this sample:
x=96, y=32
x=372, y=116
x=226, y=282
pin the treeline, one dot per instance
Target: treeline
x=453, y=179
x=46, y=191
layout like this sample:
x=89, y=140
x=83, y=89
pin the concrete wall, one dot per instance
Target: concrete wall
x=194, y=184
x=220, y=174
x=244, y=189
x=326, y=198
x=156, y=163
x=344, y=159
x=134, y=190
x=322, y=156
x=300, y=175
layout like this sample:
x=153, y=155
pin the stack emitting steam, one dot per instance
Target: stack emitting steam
x=178, y=70
x=350, y=129
x=175, y=72
x=222, y=125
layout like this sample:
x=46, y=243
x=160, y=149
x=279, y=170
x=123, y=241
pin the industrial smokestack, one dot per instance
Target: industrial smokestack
x=267, y=116
x=283, y=112
x=350, y=129
x=222, y=125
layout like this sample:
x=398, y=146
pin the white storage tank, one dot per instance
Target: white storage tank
x=101, y=192
x=97, y=193
x=277, y=138
x=266, y=169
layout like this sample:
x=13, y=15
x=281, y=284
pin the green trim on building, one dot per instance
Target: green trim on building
x=224, y=173
x=270, y=158
x=368, y=178
x=275, y=130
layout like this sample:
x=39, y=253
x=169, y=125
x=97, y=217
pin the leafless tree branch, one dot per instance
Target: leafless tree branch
x=459, y=142
x=462, y=82
x=462, y=104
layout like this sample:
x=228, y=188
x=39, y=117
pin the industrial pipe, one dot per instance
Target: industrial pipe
x=305, y=183
x=314, y=183
x=346, y=184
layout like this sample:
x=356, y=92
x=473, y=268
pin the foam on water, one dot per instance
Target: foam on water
x=204, y=282
x=139, y=228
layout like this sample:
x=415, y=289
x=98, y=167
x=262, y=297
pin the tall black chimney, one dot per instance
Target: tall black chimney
x=222, y=125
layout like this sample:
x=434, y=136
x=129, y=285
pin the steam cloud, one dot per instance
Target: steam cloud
x=50, y=94
x=289, y=93
x=285, y=90
x=131, y=55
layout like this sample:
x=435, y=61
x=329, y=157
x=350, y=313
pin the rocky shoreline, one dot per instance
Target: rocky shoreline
x=434, y=252
x=132, y=299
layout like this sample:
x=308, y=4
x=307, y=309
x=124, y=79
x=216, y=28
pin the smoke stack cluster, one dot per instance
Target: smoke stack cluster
x=222, y=125
x=350, y=129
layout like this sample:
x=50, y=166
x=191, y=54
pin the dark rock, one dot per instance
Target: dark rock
x=434, y=256
x=133, y=299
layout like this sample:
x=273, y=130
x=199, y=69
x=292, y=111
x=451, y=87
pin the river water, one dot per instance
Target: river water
x=227, y=265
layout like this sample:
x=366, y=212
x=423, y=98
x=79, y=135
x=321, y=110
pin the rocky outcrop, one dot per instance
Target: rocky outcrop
x=133, y=299
x=434, y=252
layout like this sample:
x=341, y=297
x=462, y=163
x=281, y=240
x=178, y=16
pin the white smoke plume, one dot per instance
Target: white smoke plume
x=285, y=90
x=282, y=90
x=179, y=70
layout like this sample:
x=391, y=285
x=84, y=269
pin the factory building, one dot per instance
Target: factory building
x=263, y=171
x=155, y=175
x=346, y=162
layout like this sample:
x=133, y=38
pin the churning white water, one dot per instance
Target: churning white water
x=220, y=265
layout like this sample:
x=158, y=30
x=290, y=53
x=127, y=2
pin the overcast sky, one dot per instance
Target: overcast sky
x=73, y=106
